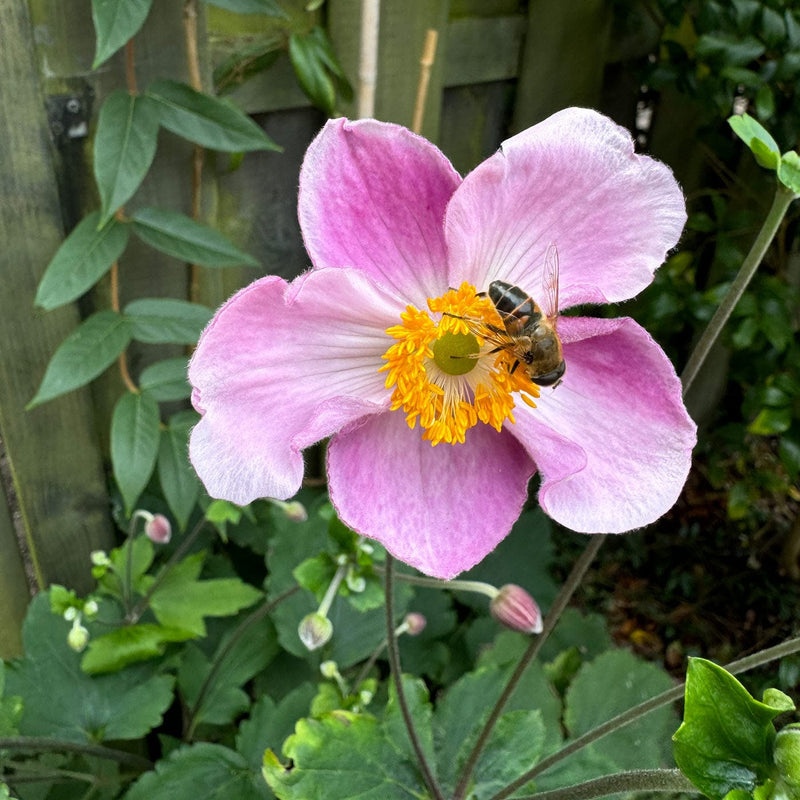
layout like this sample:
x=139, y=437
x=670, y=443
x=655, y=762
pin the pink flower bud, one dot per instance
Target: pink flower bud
x=157, y=529
x=415, y=623
x=513, y=607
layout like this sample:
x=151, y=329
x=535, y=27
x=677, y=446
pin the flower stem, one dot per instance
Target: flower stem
x=640, y=780
x=553, y=615
x=780, y=204
x=394, y=663
x=632, y=714
x=44, y=744
x=478, y=587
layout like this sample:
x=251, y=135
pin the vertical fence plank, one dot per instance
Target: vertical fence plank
x=13, y=584
x=52, y=453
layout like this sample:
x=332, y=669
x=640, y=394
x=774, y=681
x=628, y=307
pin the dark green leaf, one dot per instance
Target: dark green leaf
x=134, y=444
x=166, y=380
x=206, y=120
x=63, y=701
x=765, y=102
x=247, y=62
x=179, y=482
x=250, y=7
x=166, y=321
x=124, y=146
x=83, y=258
x=179, y=236
x=724, y=49
x=116, y=21
x=758, y=139
x=91, y=348
x=725, y=740
x=309, y=66
x=128, y=645
x=200, y=770
x=142, y=553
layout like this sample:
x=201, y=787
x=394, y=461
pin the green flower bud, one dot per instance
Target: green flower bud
x=315, y=630
x=787, y=755
x=78, y=637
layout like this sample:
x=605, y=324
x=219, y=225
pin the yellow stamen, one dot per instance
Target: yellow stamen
x=479, y=387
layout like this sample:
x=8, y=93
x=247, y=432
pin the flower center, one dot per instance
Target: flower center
x=446, y=374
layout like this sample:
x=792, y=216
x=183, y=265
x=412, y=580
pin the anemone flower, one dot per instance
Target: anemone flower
x=390, y=346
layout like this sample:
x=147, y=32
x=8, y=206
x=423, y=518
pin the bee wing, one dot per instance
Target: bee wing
x=549, y=304
x=491, y=335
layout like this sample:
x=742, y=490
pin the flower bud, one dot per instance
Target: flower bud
x=329, y=669
x=513, y=607
x=78, y=637
x=71, y=614
x=90, y=608
x=315, y=630
x=157, y=529
x=415, y=623
x=787, y=755
x=355, y=583
x=100, y=558
x=295, y=511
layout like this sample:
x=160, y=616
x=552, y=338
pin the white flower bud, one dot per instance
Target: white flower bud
x=315, y=631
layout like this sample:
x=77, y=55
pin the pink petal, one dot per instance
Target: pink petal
x=440, y=509
x=281, y=367
x=373, y=196
x=574, y=181
x=613, y=442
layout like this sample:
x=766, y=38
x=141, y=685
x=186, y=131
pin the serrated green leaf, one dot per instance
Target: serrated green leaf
x=124, y=147
x=221, y=772
x=166, y=380
x=789, y=171
x=725, y=740
x=142, y=554
x=129, y=644
x=316, y=574
x=339, y=757
x=164, y=320
x=269, y=7
x=757, y=138
x=134, y=444
x=419, y=706
x=80, y=708
x=177, y=235
x=181, y=600
x=115, y=22
x=206, y=120
x=90, y=349
x=179, y=481
x=83, y=258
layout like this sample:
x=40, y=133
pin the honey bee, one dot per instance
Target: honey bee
x=529, y=331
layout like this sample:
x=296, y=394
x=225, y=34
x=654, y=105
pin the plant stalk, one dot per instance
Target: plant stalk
x=640, y=780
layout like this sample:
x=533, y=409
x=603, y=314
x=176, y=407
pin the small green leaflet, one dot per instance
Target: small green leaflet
x=164, y=320
x=166, y=380
x=83, y=355
x=128, y=644
x=206, y=120
x=124, y=147
x=115, y=22
x=83, y=258
x=789, y=171
x=177, y=235
x=758, y=139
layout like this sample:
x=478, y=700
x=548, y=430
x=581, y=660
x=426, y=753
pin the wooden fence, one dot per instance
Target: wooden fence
x=501, y=65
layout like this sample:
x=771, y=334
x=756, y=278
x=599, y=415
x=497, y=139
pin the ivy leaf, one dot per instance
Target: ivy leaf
x=179, y=481
x=181, y=600
x=206, y=120
x=177, y=235
x=83, y=258
x=134, y=444
x=725, y=740
x=124, y=146
x=81, y=708
x=128, y=644
x=758, y=139
x=164, y=320
x=166, y=380
x=220, y=771
x=91, y=348
x=115, y=22
x=250, y=7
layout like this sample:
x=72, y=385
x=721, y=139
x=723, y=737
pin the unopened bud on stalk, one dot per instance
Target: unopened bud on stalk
x=90, y=608
x=315, y=630
x=513, y=607
x=100, y=558
x=295, y=511
x=157, y=529
x=415, y=623
x=78, y=637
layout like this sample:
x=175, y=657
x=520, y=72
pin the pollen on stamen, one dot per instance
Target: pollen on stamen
x=478, y=387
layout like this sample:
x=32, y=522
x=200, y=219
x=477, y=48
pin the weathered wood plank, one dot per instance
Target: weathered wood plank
x=483, y=50
x=52, y=451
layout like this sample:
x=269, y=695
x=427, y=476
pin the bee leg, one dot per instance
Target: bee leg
x=516, y=364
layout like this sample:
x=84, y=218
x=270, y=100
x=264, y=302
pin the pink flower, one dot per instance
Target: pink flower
x=436, y=465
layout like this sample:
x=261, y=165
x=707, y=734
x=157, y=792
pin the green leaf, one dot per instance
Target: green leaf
x=269, y=7
x=340, y=757
x=419, y=706
x=124, y=146
x=179, y=481
x=129, y=645
x=142, y=556
x=115, y=22
x=214, y=770
x=243, y=64
x=80, y=708
x=206, y=120
x=181, y=600
x=789, y=171
x=771, y=421
x=165, y=320
x=91, y=348
x=83, y=258
x=134, y=444
x=757, y=138
x=311, y=73
x=728, y=50
x=166, y=380
x=177, y=235
x=726, y=737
